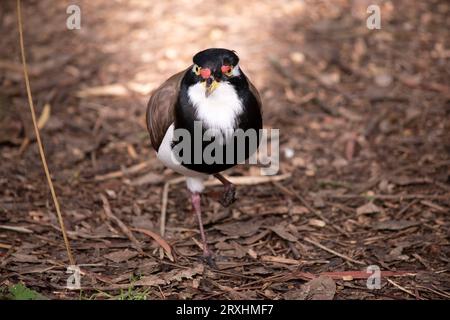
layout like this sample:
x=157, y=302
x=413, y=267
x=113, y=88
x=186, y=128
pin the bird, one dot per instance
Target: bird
x=215, y=93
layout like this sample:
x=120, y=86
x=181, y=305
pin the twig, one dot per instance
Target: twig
x=352, y=275
x=431, y=86
x=438, y=292
x=16, y=229
x=301, y=199
x=280, y=260
x=165, y=196
x=441, y=185
x=122, y=226
x=421, y=260
x=38, y=138
x=433, y=206
x=120, y=173
x=403, y=210
x=249, y=180
x=343, y=256
x=5, y=246
x=160, y=240
x=4, y=259
x=402, y=288
x=389, y=196
x=200, y=245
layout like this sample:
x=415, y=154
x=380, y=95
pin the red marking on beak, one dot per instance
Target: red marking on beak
x=205, y=73
x=225, y=69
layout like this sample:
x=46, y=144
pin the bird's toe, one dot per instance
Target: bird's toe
x=229, y=196
x=209, y=259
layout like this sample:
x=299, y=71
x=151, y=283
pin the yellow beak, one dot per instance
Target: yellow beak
x=211, y=87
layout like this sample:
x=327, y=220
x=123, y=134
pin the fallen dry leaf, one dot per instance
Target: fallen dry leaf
x=299, y=210
x=121, y=255
x=367, y=208
x=152, y=280
x=240, y=229
x=256, y=237
x=174, y=275
x=163, y=243
x=321, y=288
x=281, y=231
x=239, y=250
x=19, y=257
x=177, y=275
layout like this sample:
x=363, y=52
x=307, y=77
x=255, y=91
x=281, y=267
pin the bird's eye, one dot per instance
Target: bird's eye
x=196, y=69
x=227, y=70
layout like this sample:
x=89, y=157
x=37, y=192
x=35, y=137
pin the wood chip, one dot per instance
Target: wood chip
x=299, y=210
x=252, y=253
x=317, y=223
x=395, y=225
x=279, y=260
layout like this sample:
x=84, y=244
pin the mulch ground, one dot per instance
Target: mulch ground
x=364, y=143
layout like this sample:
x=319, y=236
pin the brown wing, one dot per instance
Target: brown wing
x=160, y=108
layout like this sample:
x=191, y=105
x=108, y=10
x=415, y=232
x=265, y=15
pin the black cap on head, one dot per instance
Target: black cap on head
x=215, y=58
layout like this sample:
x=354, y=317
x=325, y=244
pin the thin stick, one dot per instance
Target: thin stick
x=321, y=246
x=120, y=173
x=440, y=292
x=389, y=196
x=401, y=288
x=292, y=193
x=38, y=138
x=111, y=216
x=165, y=196
x=16, y=229
x=248, y=180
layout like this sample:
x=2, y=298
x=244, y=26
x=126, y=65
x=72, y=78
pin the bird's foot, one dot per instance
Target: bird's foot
x=229, y=195
x=209, y=259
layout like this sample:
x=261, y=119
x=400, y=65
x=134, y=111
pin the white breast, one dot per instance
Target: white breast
x=166, y=156
x=194, y=180
x=220, y=109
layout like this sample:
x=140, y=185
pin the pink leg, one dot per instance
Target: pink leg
x=195, y=198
